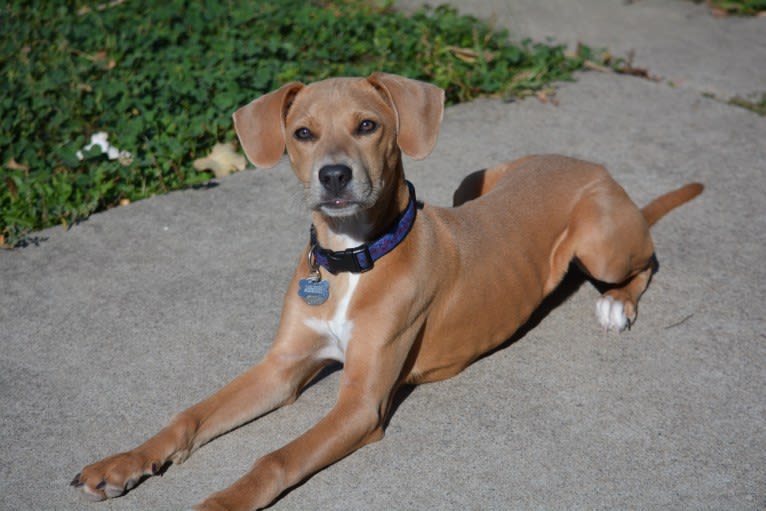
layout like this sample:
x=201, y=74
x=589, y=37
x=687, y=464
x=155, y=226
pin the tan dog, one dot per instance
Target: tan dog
x=407, y=277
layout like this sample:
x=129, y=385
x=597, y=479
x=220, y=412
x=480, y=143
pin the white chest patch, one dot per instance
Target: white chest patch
x=337, y=330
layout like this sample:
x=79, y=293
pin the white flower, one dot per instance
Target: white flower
x=101, y=139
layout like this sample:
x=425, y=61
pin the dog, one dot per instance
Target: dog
x=386, y=284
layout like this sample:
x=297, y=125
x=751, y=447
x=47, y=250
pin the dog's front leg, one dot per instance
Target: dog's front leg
x=370, y=376
x=273, y=382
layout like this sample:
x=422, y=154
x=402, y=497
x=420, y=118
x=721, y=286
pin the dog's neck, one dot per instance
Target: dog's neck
x=338, y=234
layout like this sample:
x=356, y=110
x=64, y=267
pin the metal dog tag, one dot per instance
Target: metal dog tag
x=313, y=290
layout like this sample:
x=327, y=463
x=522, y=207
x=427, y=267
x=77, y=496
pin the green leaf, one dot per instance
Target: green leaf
x=162, y=79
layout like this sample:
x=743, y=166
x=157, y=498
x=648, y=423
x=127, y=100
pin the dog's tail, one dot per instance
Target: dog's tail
x=663, y=204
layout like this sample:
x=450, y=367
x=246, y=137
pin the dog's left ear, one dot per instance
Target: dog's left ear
x=260, y=125
x=419, y=107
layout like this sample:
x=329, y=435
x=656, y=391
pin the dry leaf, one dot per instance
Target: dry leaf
x=628, y=69
x=12, y=188
x=468, y=55
x=14, y=165
x=547, y=96
x=222, y=160
x=100, y=7
x=589, y=64
x=524, y=75
x=640, y=72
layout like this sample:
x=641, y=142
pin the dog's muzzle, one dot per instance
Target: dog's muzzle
x=335, y=178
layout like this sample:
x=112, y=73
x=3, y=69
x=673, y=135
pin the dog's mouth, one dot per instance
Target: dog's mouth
x=336, y=203
x=338, y=207
x=340, y=203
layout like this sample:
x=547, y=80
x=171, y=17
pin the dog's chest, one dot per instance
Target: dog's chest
x=337, y=330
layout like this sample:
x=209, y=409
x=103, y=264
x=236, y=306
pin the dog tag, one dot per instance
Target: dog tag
x=313, y=291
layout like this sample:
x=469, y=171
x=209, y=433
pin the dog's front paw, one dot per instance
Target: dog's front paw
x=115, y=475
x=613, y=314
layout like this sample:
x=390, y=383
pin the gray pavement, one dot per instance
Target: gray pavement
x=110, y=328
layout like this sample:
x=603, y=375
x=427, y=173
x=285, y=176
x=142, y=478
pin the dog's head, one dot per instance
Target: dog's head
x=343, y=135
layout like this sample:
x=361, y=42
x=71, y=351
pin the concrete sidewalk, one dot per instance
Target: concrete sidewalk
x=112, y=327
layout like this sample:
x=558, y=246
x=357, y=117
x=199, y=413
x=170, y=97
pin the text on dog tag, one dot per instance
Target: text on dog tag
x=313, y=291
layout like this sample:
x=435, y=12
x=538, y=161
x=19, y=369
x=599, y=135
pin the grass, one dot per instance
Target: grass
x=738, y=7
x=162, y=79
x=757, y=106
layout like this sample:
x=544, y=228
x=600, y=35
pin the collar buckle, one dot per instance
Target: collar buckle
x=354, y=260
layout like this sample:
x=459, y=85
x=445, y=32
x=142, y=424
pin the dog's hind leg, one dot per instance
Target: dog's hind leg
x=609, y=239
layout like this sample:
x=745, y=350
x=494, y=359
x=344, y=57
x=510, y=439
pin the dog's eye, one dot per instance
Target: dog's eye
x=366, y=126
x=303, y=134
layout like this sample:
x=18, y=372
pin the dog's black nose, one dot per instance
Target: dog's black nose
x=335, y=177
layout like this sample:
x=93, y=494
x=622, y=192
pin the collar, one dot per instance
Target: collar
x=362, y=258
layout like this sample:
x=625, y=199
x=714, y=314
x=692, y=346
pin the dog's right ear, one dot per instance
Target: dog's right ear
x=260, y=125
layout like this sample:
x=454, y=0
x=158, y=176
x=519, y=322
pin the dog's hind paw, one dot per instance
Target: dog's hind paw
x=611, y=314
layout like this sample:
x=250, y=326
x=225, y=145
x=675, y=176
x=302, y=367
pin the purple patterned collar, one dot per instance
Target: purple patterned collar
x=362, y=258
